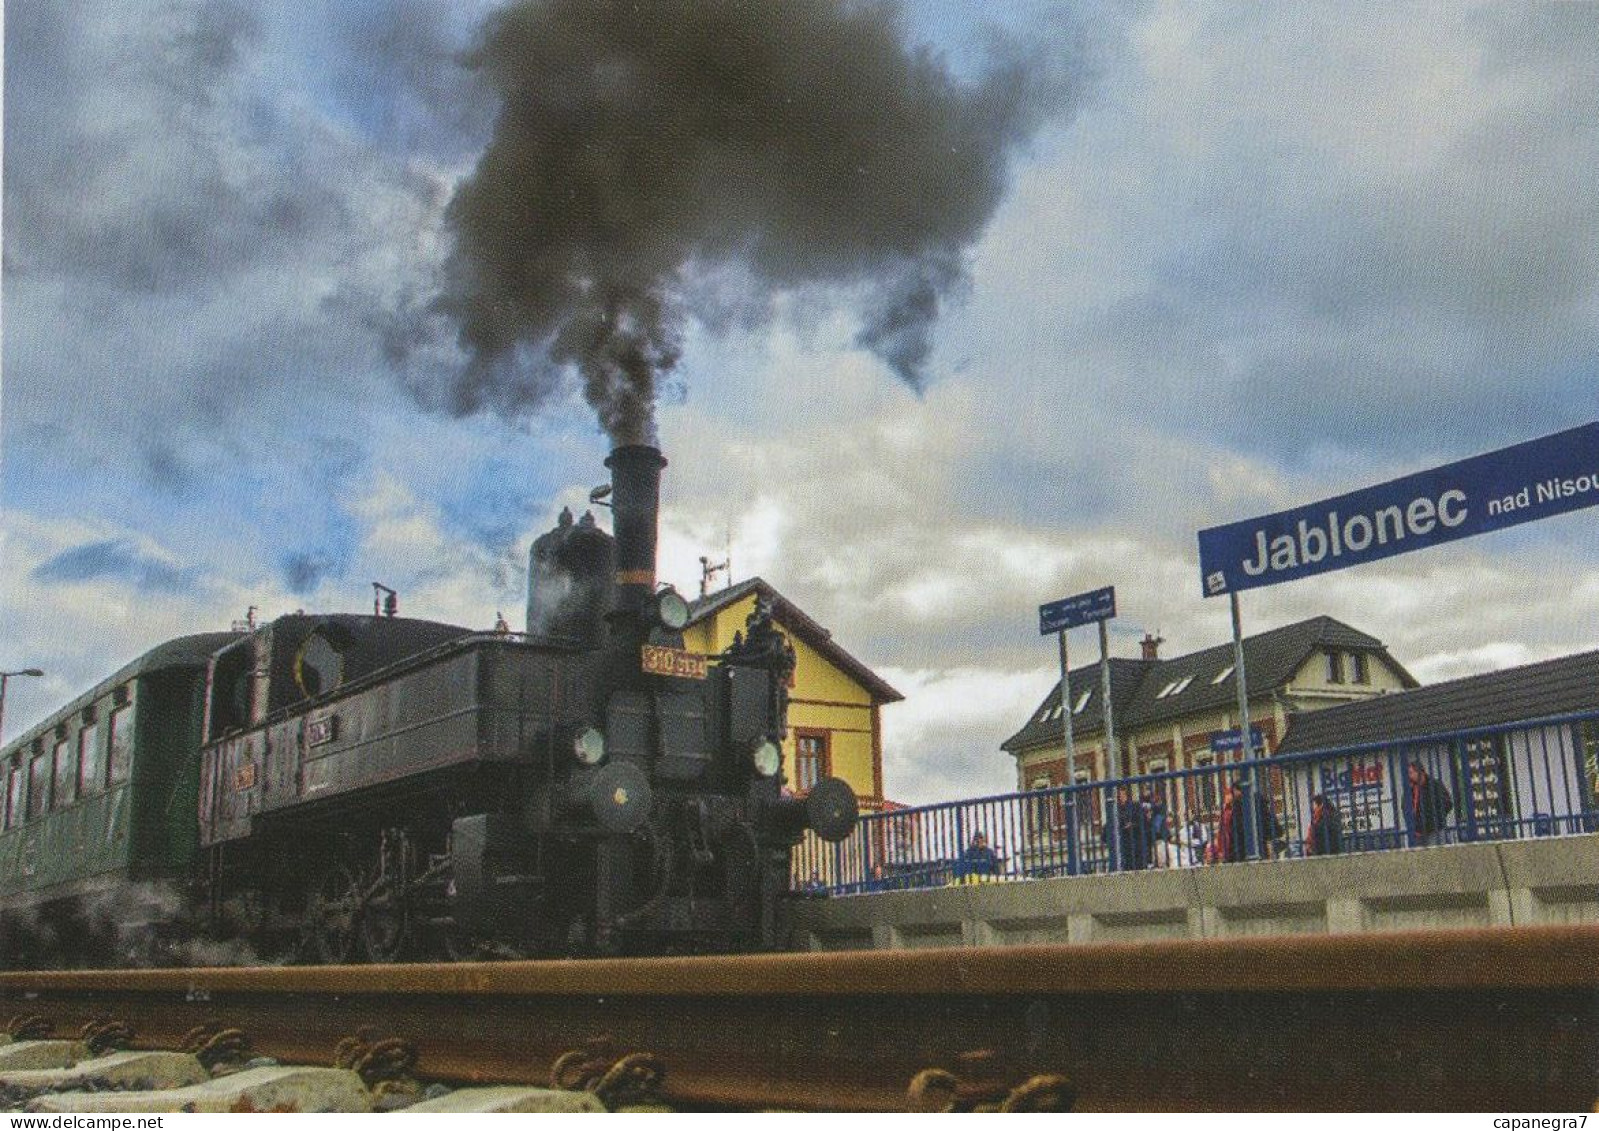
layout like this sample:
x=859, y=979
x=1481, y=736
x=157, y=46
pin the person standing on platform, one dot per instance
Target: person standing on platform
x=1131, y=831
x=979, y=859
x=1326, y=836
x=1234, y=833
x=1427, y=807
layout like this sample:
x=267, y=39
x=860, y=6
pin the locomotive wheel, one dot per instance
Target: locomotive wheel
x=385, y=926
x=332, y=915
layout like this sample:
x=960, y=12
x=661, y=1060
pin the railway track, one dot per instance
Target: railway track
x=1498, y=1019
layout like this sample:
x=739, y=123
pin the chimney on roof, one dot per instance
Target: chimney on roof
x=1151, y=646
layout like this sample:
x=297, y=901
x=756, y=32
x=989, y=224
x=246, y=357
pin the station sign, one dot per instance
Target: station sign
x=675, y=662
x=1227, y=741
x=1069, y=612
x=1521, y=483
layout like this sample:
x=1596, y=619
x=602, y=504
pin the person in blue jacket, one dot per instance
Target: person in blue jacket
x=979, y=859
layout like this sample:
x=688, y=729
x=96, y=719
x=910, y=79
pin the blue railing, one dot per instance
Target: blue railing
x=1532, y=779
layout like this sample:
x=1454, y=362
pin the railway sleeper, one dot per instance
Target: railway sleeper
x=66, y=1077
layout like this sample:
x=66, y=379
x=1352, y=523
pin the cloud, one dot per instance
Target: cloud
x=1272, y=254
x=115, y=559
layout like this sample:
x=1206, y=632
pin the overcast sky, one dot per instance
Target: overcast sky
x=1183, y=264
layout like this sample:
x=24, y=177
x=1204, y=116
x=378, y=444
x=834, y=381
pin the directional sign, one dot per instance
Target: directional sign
x=1537, y=479
x=1069, y=612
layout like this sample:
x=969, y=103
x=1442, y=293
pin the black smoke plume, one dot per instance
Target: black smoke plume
x=641, y=147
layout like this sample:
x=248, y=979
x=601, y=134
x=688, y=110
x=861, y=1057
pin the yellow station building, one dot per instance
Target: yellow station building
x=834, y=723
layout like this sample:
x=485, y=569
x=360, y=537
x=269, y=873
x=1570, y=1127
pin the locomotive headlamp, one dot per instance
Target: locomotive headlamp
x=670, y=609
x=766, y=758
x=589, y=746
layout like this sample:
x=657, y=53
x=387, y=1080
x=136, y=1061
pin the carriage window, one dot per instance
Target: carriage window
x=91, y=761
x=120, y=752
x=319, y=666
x=38, y=784
x=14, y=798
x=66, y=768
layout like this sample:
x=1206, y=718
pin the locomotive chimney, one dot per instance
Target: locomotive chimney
x=635, y=501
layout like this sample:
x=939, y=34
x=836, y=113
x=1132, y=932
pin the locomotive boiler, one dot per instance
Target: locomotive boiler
x=380, y=787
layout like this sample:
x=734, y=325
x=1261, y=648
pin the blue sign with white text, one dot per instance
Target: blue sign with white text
x=1225, y=742
x=1069, y=612
x=1489, y=492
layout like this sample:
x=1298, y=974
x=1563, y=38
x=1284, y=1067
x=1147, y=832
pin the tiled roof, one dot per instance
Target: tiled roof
x=1045, y=724
x=1568, y=685
x=1270, y=661
x=791, y=617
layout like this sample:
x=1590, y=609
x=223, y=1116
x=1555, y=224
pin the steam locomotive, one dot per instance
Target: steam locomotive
x=344, y=787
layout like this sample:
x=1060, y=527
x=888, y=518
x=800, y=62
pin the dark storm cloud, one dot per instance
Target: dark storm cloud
x=115, y=560
x=641, y=146
x=198, y=250
x=303, y=572
x=99, y=192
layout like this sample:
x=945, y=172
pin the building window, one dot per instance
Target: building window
x=1335, y=667
x=810, y=759
x=1175, y=687
x=66, y=774
x=1082, y=701
x=1359, y=668
x=1223, y=674
x=1207, y=790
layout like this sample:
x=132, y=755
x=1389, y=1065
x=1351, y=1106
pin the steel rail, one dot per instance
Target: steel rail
x=1495, y=1019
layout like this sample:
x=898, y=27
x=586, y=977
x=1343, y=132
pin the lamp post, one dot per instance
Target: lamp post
x=5, y=677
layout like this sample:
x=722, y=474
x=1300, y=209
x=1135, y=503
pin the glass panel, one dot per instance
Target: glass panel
x=66, y=790
x=320, y=666
x=809, y=749
x=38, y=784
x=14, y=798
x=91, y=761
x=121, y=744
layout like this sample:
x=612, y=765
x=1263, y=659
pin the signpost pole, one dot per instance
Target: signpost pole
x=1113, y=756
x=1066, y=707
x=1252, y=846
x=1244, y=744
x=1058, y=616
